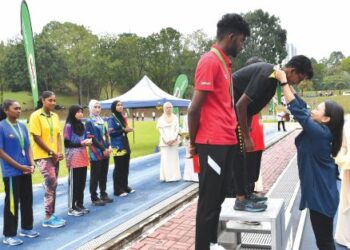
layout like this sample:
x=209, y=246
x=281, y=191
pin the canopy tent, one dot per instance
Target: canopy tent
x=146, y=94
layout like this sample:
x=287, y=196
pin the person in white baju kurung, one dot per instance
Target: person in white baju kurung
x=168, y=126
x=189, y=174
x=342, y=231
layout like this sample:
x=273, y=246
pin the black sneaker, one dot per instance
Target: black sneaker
x=129, y=190
x=256, y=198
x=83, y=209
x=106, y=199
x=98, y=202
x=249, y=206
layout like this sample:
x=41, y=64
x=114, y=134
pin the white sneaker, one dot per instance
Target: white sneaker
x=74, y=212
x=216, y=246
x=12, y=241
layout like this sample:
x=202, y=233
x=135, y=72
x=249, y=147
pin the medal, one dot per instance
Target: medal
x=51, y=139
x=23, y=152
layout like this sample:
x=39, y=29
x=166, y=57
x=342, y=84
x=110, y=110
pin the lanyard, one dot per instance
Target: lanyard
x=19, y=135
x=218, y=54
x=49, y=121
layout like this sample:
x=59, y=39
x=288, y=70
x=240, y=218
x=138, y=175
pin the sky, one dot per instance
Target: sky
x=315, y=28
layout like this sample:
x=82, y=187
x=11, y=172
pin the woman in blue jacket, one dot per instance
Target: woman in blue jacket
x=317, y=144
x=118, y=129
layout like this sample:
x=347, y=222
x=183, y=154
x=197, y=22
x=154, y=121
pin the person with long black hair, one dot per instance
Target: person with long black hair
x=118, y=129
x=75, y=142
x=45, y=127
x=317, y=145
x=17, y=166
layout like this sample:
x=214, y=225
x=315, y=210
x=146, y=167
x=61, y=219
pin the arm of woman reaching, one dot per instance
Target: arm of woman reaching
x=298, y=109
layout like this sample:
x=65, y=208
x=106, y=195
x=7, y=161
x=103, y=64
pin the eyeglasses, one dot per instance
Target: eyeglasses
x=96, y=107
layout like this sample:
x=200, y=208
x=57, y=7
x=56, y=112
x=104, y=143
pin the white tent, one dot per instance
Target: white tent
x=145, y=94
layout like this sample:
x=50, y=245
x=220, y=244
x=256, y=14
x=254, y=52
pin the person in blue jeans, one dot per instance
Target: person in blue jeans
x=17, y=166
x=317, y=145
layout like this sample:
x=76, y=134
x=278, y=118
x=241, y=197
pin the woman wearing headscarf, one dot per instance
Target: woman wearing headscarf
x=118, y=129
x=75, y=142
x=98, y=153
x=168, y=126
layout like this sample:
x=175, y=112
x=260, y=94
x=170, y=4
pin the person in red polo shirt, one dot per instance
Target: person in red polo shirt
x=212, y=123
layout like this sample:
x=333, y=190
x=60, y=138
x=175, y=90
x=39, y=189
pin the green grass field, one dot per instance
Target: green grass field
x=146, y=139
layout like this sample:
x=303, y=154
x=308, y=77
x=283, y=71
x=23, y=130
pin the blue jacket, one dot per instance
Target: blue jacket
x=119, y=138
x=317, y=169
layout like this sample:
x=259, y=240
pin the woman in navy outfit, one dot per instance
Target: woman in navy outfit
x=317, y=144
x=118, y=129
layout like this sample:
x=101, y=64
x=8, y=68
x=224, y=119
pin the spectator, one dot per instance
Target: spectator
x=168, y=126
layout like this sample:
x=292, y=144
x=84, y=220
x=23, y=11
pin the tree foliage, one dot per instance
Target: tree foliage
x=267, y=40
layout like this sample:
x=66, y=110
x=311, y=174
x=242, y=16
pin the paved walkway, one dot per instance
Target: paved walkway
x=179, y=231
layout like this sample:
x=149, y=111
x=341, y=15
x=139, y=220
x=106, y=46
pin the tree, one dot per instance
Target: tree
x=194, y=45
x=335, y=58
x=345, y=64
x=15, y=67
x=77, y=45
x=2, y=73
x=51, y=67
x=162, y=57
x=267, y=40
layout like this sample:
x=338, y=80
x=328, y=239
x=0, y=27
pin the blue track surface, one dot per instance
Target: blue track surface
x=144, y=178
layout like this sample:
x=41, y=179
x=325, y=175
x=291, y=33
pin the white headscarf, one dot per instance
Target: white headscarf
x=97, y=118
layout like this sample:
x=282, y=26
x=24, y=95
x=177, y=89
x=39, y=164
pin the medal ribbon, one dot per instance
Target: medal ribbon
x=19, y=135
x=218, y=54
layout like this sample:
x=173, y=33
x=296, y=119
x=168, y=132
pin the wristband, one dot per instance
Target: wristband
x=283, y=83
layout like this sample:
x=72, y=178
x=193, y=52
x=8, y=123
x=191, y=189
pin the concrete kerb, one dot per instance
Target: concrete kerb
x=134, y=228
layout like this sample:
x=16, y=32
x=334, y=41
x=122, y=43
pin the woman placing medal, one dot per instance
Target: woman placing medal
x=44, y=126
x=17, y=166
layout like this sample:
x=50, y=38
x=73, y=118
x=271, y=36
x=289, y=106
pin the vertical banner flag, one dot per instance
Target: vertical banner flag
x=180, y=87
x=27, y=34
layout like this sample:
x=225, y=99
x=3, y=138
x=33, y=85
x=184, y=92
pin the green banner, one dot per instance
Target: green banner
x=180, y=87
x=27, y=34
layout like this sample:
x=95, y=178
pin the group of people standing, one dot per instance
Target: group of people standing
x=20, y=156
x=220, y=123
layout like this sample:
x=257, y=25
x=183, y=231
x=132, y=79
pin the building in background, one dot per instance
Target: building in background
x=291, y=50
